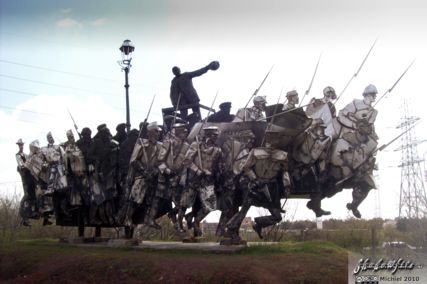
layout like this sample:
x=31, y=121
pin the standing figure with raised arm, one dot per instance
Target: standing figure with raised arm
x=182, y=88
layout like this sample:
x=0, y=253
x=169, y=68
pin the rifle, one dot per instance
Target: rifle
x=338, y=183
x=357, y=72
x=283, y=112
x=176, y=109
x=148, y=114
x=256, y=91
x=272, y=120
x=394, y=85
x=75, y=125
x=201, y=127
x=312, y=80
x=173, y=122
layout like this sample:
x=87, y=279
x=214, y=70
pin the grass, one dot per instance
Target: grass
x=48, y=261
x=312, y=247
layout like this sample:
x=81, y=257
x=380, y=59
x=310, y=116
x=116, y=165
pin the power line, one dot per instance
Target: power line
x=30, y=111
x=35, y=95
x=69, y=73
x=58, y=71
x=56, y=85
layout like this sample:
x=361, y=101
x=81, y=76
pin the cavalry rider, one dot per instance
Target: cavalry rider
x=254, y=113
x=172, y=174
x=315, y=104
x=144, y=162
x=264, y=167
x=204, y=162
x=356, y=144
x=309, y=160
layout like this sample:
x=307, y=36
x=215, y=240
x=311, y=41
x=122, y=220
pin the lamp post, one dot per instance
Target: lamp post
x=127, y=49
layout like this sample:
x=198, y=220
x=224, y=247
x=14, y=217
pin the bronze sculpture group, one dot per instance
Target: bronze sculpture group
x=258, y=157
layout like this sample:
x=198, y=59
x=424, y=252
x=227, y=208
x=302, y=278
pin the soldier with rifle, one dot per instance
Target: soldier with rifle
x=308, y=166
x=103, y=166
x=39, y=169
x=292, y=100
x=204, y=162
x=266, y=170
x=172, y=174
x=28, y=206
x=142, y=203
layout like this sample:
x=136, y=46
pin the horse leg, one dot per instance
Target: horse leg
x=265, y=221
x=359, y=194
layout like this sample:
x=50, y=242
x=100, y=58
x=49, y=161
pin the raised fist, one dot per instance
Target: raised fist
x=214, y=65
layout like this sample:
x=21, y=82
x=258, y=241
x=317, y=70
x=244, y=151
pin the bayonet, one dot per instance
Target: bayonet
x=75, y=125
x=357, y=72
x=394, y=85
x=148, y=115
x=312, y=80
x=257, y=90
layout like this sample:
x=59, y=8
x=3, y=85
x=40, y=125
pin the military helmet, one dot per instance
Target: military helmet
x=209, y=130
x=225, y=105
x=260, y=99
x=153, y=126
x=318, y=122
x=86, y=131
x=35, y=144
x=121, y=126
x=179, y=128
x=330, y=92
x=69, y=133
x=370, y=90
x=101, y=127
x=291, y=93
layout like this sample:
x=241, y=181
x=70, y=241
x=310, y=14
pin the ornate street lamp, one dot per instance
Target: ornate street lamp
x=127, y=49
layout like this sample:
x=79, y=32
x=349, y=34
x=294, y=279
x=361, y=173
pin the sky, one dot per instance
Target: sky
x=59, y=55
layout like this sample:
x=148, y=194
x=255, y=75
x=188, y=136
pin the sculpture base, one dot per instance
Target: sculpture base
x=84, y=240
x=233, y=242
x=123, y=242
x=193, y=240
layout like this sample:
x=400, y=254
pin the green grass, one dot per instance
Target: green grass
x=312, y=247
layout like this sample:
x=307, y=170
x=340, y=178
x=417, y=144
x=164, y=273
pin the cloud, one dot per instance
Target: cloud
x=68, y=23
x=99, y=22
x=32, y=120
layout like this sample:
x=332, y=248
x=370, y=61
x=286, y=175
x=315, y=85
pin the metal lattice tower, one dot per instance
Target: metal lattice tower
x=413, y=201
